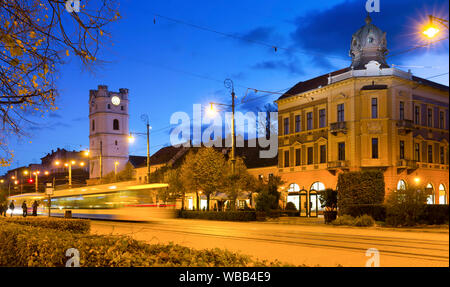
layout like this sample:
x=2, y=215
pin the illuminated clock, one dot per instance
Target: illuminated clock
x=115, y=100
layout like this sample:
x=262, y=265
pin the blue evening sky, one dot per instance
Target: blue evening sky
x=168, y=66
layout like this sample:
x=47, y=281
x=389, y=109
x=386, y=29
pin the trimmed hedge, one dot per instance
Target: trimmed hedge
x=363, y=220
x=62, y=224
x=25, y=246
x=376, y=211
x=218, y=215
x=435, y=214
x=359, y=187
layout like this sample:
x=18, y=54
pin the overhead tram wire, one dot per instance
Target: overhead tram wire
x=416, y=47
x=237, y=37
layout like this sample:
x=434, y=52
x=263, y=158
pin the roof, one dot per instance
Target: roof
x=322, y=81
x=175, y=155
x=311, y=84
x=137, y=160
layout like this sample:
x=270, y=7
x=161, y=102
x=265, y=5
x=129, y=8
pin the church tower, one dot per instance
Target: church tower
x=108, y=131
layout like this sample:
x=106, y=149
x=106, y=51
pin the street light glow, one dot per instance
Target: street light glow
x=25, y=172
x=211, y=111
x=416, y=180
x=130, y=139
x=86, y=153
x=431, y=31
x=57, y=162
x=81, y=163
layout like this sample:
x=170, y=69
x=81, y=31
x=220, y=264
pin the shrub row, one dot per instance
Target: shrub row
x=24, y=246
x=63, y=224
x=431, y=214
x=435, y=214
x=376, y=211
x=363, y=220
x=218, y=215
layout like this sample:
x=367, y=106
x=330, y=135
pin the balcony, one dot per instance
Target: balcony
x=338, y=127
x=405, y=126
x=409, y=165
x=338, y=164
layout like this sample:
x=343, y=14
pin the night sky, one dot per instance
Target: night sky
x=168, y=66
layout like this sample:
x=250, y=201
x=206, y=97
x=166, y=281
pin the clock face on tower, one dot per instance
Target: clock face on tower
x=115, y=100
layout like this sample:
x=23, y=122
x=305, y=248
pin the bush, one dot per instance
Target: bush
x=25, y=246
x=360, y=187
x=265, y=201
x=290, y=206
x=328, y=198
x=63, y=224
x=218, y=215
x=377, y=211
x=363, y=220
x=405, y=207
x=435, y=214
x=329, y=215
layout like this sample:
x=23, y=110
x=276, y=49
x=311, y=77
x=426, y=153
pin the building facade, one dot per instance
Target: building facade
x=108, y=131
x=367, y=116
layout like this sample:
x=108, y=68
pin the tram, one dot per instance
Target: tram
x=119, y=201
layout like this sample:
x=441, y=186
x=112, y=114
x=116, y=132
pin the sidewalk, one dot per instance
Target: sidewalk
x=319, y=221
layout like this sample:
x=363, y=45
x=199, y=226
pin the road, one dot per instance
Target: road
x=311, y=245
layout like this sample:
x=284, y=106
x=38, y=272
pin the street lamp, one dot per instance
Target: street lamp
x=36, y=173
x=230, y=86
x=145, y=119
x=116, y=163
x=69, y=166
x=431, y=30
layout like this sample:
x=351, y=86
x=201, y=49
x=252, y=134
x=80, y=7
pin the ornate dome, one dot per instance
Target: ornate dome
x=368, y=44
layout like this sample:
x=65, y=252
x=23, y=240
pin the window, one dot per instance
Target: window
x=430, y=117
x=402, y=150
x=402, y=111
x=260, y=177
x=441, y=120
x=121, y=108
x=417, y=151
x=341, y=151
x=109, y=106
x=309, y=121
x=375, y=148
x=297, y=123
x=374, y=108
x=323, y=154
x=310, y=155
x=401, y=185
x=116, y=124
x=297, y=157
x=93, y=125
x=322, y=118
x=430, y=153
x=340, y=113
x=442, y=154
x=270, y=175
x=286, y=126
x=115, y=142
x=417, y=115
x=442, y=194
x=286, y=158
x=430, y=189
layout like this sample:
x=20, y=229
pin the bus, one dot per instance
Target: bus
x=118, y=201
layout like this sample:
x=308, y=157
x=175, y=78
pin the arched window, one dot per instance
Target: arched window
x=430, y=198
x=317, y=186
x=93, y=125
x=401, y=185
x=442, y=194
x=116, y=124
x=293, y=187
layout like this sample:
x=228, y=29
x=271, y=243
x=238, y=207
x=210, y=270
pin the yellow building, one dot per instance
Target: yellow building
x=367, y=116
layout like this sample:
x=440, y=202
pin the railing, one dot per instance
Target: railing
x=338, y=127
x=407, y=163
x=337, y=164
x=405, y=125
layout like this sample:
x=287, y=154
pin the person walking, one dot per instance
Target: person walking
x=24, y=209
x=11, y=206
x=35, y=207
x=4, y=209
x=2, y=206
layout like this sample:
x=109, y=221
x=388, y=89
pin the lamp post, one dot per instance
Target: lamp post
x=230, y=86
x=36, y=185
x=69, y=166
x=116, y=163
x=145, y=119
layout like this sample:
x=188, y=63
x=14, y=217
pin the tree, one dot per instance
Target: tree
x=241, y=181
x=328, y=197
x=35, y=39
x=204, y=171
x=268, y=194
x=176, y=187
x=405, y=206
x=124, y=175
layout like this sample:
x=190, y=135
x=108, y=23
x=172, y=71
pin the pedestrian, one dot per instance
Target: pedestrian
x=1, y=209
x=24, y=208
x=11, y=206
x=5, y=208
x=35, y=207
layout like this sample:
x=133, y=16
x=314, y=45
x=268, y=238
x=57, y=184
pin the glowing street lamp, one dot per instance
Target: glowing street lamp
x=36, y=185
x=417, y=180
x=431, y=30
x=69, y=166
